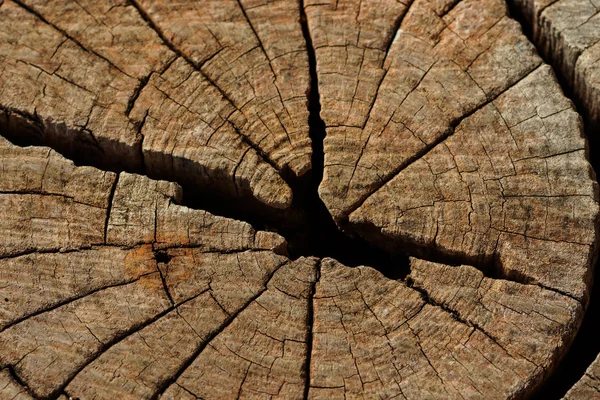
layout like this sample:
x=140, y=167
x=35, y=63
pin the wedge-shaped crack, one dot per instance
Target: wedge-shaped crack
x=453, y=143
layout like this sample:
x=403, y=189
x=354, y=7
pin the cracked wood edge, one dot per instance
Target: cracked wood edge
x=588, y=387
x=177, y=268
x=470, y=122
x=97, y=80
x=178, y=301
x=75, y=298
x=567, y=32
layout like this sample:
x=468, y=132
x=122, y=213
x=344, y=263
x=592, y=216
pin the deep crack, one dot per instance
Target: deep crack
x=309, y=336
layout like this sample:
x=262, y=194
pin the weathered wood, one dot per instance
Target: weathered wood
x=568, y=34
x=437, y=71
x=456, y=336
x=470, y=122
x=510, y=188
x=69, y=295
x=446, y=138
x=154, y=312
x=146, y=106
x=11, y=389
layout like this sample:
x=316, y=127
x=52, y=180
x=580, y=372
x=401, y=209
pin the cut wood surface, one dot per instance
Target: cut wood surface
x=430, y=129
x=568, y=33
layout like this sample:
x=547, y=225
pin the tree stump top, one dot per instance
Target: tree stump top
x=429, y=128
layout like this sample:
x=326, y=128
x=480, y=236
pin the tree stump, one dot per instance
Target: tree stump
x=428, y=131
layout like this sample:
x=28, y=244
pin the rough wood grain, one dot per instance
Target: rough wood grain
x=96, y=78
x=511, y=188
x=176, y=302
x=458, y=335
x=10, y=389
x=439, y=69
x=446, y=138
x=568, y=34
x=471, y=124
x=71, y=297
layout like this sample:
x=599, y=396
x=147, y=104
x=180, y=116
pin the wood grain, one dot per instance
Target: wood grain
x=442, y=138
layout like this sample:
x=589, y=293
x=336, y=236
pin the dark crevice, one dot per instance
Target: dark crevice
x=163, y=258
x=78, y=145
x=307, y=225
x=136, y=93
x=309, y=335
x=488, y=264
x=518, y=15
x=213, y=195
x=324, y=237
x=109, y=206
x=585, y=347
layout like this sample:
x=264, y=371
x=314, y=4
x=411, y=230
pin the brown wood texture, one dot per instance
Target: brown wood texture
x=568, y=34
x=430, y=131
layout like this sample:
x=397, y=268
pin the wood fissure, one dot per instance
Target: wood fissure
x=310, y=323
x=306, y=154
x=436, y=143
